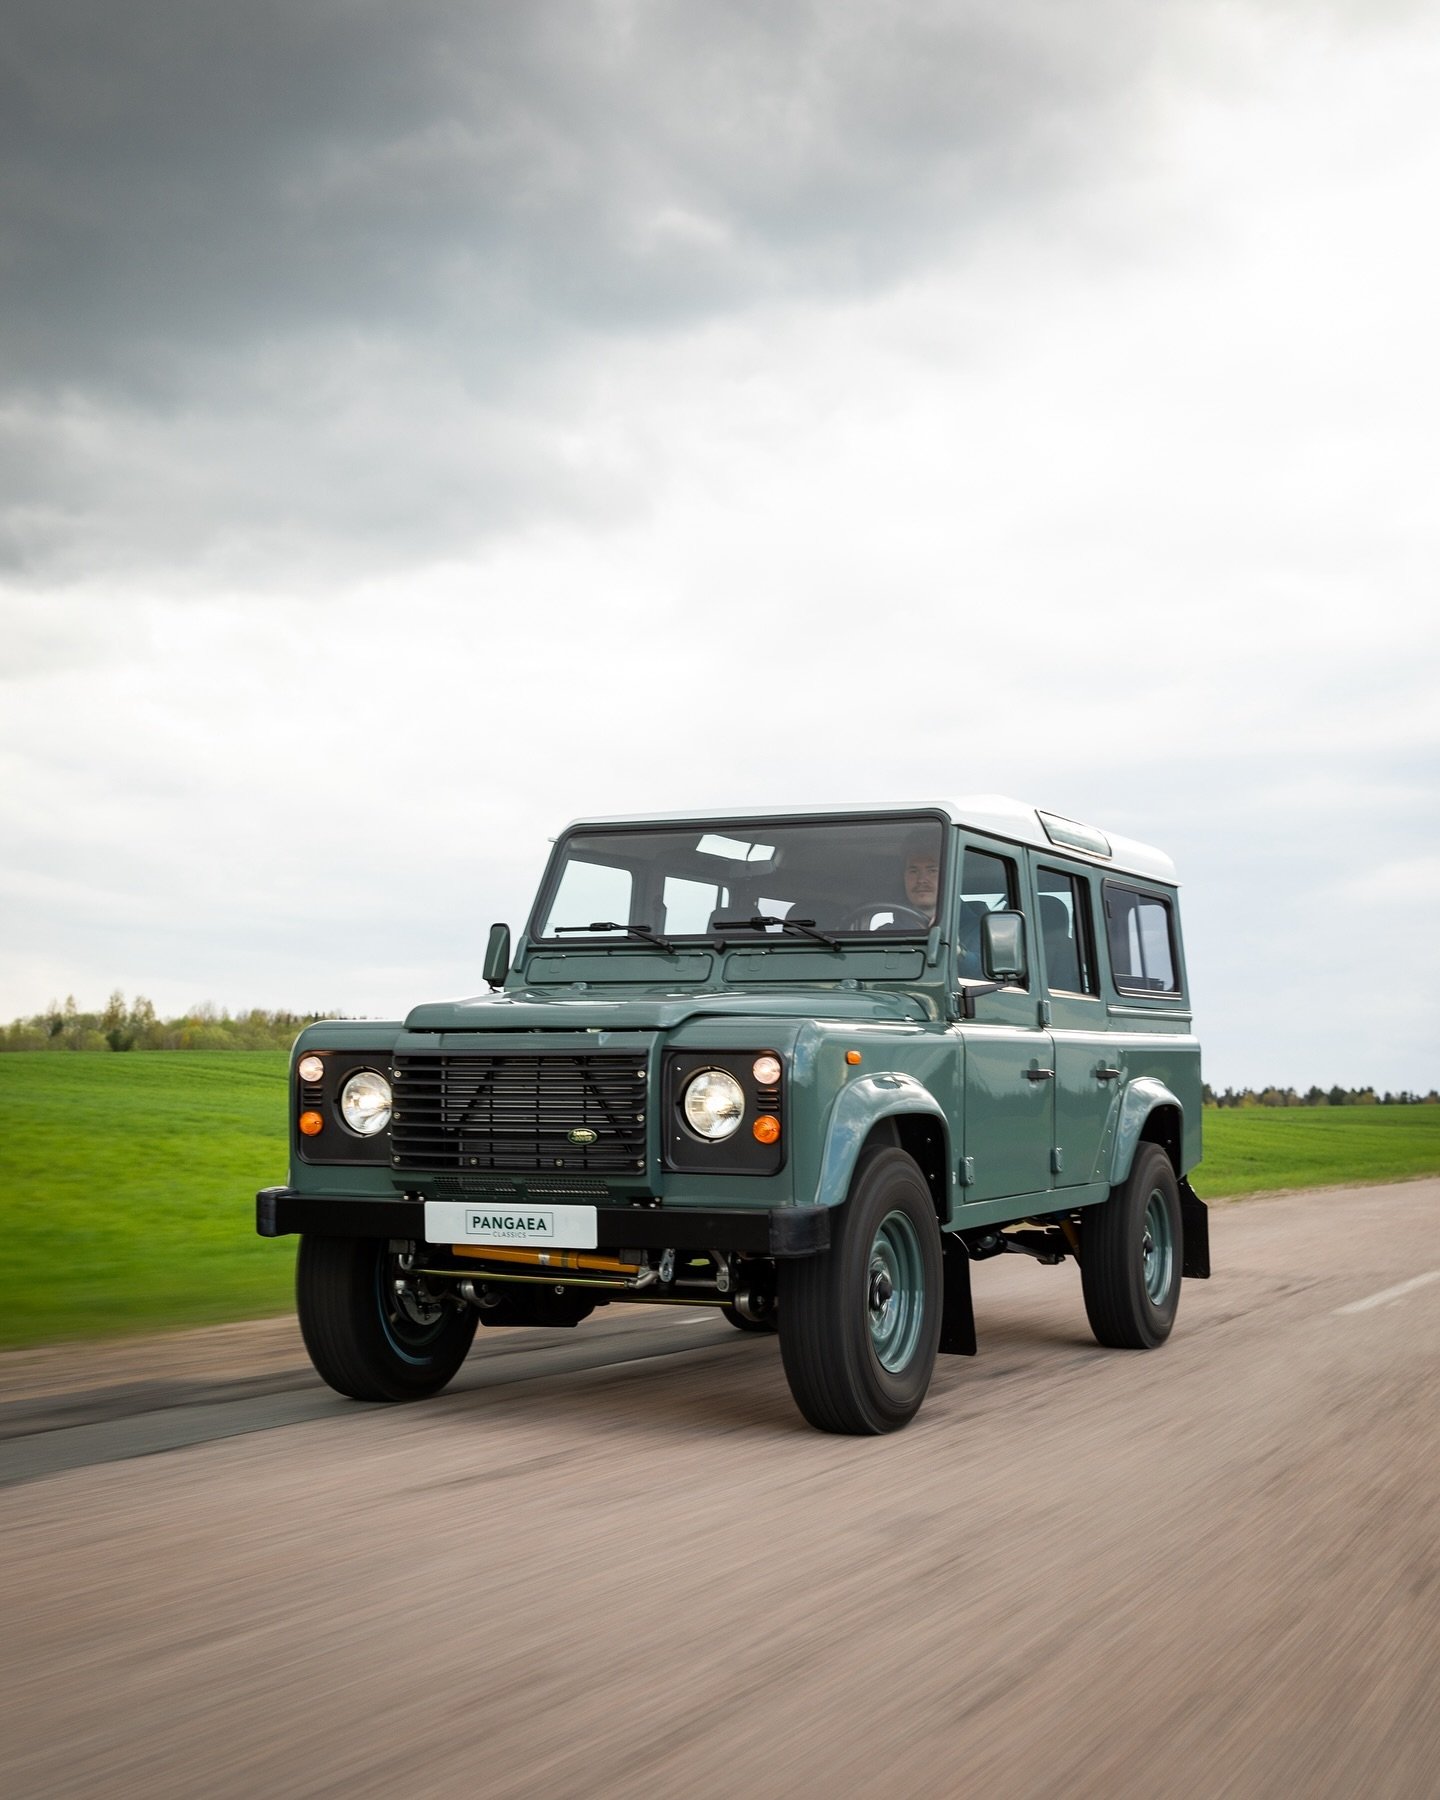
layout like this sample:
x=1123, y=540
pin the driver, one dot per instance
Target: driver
x=922, y=881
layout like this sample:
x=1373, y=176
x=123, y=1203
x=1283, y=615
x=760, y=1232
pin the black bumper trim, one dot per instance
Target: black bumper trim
x=783, y=1231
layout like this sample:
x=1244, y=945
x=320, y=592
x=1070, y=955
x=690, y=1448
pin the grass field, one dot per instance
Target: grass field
x=127, y=1183
x=127, y=1190
x=1259, y=1149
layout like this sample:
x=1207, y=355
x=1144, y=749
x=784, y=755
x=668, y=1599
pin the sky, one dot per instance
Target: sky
x=422, y=426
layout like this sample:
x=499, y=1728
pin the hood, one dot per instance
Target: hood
x=528, y=1010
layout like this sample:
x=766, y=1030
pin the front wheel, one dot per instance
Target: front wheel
x=375, y=1331
x=1131, y=1256
x=860, y=1324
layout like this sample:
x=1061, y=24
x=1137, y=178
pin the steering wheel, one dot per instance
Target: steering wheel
x=859, y=920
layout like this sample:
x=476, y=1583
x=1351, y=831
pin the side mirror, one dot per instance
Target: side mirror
x=497, y=956
x=1002, y=946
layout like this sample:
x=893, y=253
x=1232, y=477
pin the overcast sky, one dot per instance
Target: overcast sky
x=422, y=425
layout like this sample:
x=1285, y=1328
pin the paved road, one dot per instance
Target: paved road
x=615, y=1560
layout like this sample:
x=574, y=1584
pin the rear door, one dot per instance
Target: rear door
x=1088, y=1076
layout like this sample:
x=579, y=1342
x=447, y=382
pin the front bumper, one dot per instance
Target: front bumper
x=781, y=1231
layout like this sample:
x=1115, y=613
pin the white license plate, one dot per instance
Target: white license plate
x=510, y=1222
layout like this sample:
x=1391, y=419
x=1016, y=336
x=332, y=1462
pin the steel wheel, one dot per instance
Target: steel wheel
x=1157, y=1247
x=896, y=1296
x=412, y=1318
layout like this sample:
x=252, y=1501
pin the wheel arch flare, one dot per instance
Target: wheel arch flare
x=886, y=1108
x=1149, y=1113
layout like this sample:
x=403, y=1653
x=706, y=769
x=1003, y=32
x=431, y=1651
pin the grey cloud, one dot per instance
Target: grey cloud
x=223, y=227
x=182, y=177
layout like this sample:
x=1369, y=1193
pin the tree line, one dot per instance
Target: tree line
x=1316, y=1096
x=135, y=1025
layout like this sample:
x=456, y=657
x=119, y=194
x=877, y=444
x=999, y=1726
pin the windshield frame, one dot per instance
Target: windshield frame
x=741, y=826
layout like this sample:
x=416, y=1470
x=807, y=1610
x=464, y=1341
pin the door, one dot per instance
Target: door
x=1009, y=1058
x=1088, y=1077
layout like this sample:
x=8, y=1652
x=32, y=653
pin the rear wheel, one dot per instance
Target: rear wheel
x=860, y=1324
x=1131, y=1256
x=374, y=1330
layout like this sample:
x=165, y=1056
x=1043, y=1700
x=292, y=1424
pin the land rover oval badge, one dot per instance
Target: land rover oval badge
x=582, y=1134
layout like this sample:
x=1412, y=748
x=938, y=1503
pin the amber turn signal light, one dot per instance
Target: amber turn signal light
x=852, y=1056
x=766, y=1128
x=310, y=1123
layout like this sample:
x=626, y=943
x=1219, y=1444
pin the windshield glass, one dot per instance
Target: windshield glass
x=832, y=876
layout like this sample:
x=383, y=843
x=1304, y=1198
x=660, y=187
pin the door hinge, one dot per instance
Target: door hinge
x=1057, y=1160
x=967, y=1171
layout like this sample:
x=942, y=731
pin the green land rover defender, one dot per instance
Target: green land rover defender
x=801, y=1065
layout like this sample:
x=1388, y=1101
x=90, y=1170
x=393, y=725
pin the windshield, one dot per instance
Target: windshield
x=746, y=879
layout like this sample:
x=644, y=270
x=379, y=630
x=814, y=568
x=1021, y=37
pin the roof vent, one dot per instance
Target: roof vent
x=1074, y=837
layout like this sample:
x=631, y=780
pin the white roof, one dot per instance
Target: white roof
x=995, y=814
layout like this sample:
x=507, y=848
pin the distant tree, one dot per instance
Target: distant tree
x=115, y=1025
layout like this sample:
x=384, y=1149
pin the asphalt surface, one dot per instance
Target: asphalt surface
x=615, y=1559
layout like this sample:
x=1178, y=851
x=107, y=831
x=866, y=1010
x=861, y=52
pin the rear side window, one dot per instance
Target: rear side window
x=1141, y=930
x=1065, y=932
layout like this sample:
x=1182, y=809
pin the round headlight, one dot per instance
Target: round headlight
x=365, y=1102
x=714, y=1104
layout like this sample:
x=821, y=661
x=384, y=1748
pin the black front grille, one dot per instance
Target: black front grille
x=563, y=1115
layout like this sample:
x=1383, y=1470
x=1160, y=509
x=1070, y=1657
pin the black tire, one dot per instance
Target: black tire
x=360, y=1336
x=1131, y=1253
x=859, y=1360
x=741, y=1323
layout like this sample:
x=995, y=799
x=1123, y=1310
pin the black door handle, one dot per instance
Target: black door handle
x=1039, y=1074
x=1108, y=1074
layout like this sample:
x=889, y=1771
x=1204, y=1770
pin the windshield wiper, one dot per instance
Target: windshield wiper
x=759, y=922
x=638, y=931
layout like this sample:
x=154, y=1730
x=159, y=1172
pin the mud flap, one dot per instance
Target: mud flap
x=957, y=1319
x=1195, y=1226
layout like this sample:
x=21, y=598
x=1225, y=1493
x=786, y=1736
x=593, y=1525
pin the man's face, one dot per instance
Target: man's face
x=922, y=881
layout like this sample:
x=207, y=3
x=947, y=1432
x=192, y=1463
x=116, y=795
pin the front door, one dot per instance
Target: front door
x=1009, y=1107
x=1009, y=1058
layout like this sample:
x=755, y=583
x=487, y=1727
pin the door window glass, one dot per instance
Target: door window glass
x=988, y=883
x=1065, y=932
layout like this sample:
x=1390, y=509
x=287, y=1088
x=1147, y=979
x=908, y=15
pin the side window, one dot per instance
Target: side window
x=1065, y=931
x=988, y=883
x=1142, y=941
